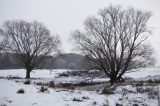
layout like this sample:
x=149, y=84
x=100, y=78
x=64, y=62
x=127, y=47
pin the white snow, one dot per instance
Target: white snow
x=144, y=72
x=55, y=97
x=64, y=97
x=128, y=96
x=43, y=73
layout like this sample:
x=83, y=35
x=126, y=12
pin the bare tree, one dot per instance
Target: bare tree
x=3, y=41
x=31, y=41
x=114, y=40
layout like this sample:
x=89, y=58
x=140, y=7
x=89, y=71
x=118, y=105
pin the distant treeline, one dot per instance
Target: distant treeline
x=61, y=61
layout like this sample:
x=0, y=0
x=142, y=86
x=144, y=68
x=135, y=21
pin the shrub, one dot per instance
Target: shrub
x=152, y=93
x=135, y=105
x=66, y=85
x=39, y=83
x=21, y=91
x=85, y=97
x=105, y=105
x=27, y=82
x=16, y=81
x=3, y=105
x=157, y=81
x=117, y=104
x=150, y=81
x=10, y=77
x=107, y=91
x=51, y=84
x=94, y=103
x=43, y=89
x=120, y=99
x=140, y=83
x=76, y=99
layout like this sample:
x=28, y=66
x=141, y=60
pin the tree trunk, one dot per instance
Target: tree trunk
x=28, y=73
x=115, y=80
x=112, y=81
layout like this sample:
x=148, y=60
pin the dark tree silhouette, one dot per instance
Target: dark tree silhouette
x=115, y=40
x=31, y=41
x=3, y=41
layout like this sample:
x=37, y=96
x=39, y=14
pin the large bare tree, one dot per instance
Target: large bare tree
x=114, y=40
x=31, y=41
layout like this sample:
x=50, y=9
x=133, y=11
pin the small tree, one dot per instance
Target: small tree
x=114, y=41
x=31, y=41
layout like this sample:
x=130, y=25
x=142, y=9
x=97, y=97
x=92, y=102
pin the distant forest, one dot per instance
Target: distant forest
x=61, y=61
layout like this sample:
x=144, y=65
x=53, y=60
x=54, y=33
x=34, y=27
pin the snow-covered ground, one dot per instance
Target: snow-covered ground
x=34, y=74
x=54, y=97
x=41, y=74
x=127, y=95
x=141, y=74
x=130, y=95
x=144, y=73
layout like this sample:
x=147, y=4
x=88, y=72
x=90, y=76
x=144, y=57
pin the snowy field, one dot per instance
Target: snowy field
x=144, y=73
x=128, y=95
x=53, y=97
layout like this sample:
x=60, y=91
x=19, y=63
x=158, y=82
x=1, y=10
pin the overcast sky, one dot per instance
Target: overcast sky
x=64, y=16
